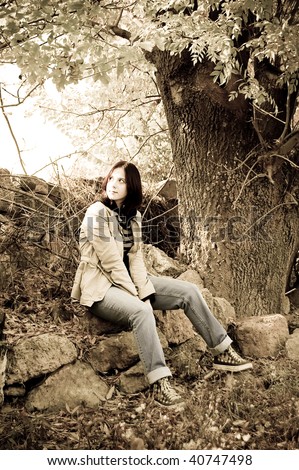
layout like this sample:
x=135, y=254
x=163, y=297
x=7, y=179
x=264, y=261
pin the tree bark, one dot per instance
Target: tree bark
x=238, y=207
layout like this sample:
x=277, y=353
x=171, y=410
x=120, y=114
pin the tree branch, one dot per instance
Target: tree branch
x=122, y=33
x=11, y=132
x=288, y=117
x=20, y=100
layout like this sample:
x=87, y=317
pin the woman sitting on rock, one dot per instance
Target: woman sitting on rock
x=113, y=282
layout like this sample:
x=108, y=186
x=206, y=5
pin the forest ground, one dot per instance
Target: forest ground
x=255, y=409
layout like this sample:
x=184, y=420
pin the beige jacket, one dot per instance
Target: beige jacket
x=101, y=264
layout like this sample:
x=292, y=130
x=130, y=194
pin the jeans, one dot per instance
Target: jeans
x=120, y=307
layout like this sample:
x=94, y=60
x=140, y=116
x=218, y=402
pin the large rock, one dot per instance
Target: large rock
x=223, y=311
x=6, y=194
x=262, y=336
x=185, y=359
x=73, y=385
x=292, y=346
x=175, y=326
x=38, y=355
x=41, y=208
x=133, y=380
x=158, y=263
x=34, y=184
x=190, y=275
x=293, y=320
x=117, y=352
x=294, y=298
x=55, y=193
x=167, y=189
x=23, y=204
x=94, y=325
x=220, y=308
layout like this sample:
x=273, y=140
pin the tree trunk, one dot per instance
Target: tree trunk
x=239, y=216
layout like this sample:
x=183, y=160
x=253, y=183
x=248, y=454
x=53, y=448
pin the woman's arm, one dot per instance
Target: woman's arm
x=96, y=227
x=138, y=269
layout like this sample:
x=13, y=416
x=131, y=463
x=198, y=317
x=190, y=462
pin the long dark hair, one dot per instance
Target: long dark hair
x=134, y=187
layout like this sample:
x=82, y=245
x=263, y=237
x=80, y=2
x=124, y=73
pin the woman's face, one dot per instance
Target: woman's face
x=116, y=188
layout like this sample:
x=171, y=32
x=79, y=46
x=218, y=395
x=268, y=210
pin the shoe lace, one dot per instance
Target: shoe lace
x=167, y=390
x=234, y=355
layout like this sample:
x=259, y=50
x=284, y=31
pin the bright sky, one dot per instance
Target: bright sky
x=39, y=140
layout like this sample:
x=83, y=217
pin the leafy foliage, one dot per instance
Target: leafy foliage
x=62, y=40
x=123, y=119
x=236, y=36
x=68, y=41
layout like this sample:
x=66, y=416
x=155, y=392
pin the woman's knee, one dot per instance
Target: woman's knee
x=144, y=315
x=189, y=290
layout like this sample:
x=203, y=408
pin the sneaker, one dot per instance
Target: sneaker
x=165, y=394
x=231, y=361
